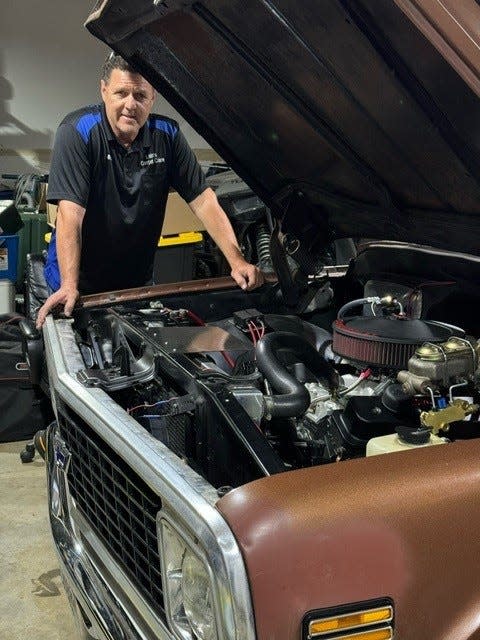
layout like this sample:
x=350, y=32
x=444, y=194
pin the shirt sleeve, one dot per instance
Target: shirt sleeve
x=187, y=176
x=69, y=176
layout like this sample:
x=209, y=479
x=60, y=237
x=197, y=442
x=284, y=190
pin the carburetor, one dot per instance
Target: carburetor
x=438, y=364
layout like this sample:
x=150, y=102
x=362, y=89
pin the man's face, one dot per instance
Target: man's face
x=128, y=99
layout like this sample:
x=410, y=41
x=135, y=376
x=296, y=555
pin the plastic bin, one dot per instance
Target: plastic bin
x=8, y=258
x=175, y=257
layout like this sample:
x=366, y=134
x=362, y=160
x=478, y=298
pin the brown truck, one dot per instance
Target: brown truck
x=301, y=461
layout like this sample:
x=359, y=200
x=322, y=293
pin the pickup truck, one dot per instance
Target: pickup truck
x=300, y=461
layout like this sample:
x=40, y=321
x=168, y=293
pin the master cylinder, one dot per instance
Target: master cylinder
x=437, y=364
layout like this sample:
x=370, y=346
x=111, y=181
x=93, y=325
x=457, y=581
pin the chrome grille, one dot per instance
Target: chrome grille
x=118, y=505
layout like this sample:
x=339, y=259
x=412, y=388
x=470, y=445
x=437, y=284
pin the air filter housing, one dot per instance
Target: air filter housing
x=386, y=342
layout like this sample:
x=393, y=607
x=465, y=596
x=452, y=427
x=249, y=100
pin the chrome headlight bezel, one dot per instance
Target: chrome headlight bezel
x=173, y=543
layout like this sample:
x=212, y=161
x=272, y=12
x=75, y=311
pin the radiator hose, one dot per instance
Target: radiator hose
x=292, y=399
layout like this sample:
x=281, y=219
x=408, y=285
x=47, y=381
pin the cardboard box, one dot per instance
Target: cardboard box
x=42, y=195
x=51, y=214
x=179, y=218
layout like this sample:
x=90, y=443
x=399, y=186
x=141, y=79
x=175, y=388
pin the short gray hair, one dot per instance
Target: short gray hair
x=113, y=61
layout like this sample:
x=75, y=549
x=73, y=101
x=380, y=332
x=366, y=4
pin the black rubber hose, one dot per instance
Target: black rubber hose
x=318, y=337
x=293, y=398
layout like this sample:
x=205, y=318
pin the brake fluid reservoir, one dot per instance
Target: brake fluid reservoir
x=392, y=442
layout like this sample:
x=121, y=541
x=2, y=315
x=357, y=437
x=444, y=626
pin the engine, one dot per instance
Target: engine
x=258, y=392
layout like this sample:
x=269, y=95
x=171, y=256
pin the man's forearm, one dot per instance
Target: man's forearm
x=207, y=208
x=69, y=242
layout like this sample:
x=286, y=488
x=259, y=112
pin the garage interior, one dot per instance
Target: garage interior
x=46, y=72
x=204, y=432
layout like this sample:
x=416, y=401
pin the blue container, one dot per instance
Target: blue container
x=8, y=257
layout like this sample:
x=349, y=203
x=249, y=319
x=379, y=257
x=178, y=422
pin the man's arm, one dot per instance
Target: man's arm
x=207, y=208
x=69, y=242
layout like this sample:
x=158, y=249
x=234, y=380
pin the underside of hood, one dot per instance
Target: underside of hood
x=349, y=118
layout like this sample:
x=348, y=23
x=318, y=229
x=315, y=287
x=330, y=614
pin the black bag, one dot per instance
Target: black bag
x=10, y=221
x=24, y=408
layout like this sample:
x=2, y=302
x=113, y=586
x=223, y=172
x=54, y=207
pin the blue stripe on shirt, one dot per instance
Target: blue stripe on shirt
x=164, y=125
x=86, y=124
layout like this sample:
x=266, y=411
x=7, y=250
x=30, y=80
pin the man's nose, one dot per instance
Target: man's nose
x=130, y=102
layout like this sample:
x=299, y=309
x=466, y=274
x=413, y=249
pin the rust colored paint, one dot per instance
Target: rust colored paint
x=398, y=525
x=453, y=27
x=154, y=291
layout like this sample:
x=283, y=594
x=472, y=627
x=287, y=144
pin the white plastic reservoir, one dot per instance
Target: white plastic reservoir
x=391, y=443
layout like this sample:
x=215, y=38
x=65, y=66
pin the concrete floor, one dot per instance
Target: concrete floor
x=33, y=603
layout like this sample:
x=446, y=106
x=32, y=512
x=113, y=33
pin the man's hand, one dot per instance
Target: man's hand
x=69, y=242
x=208, y=210
x=64, y=296
x=247, y=275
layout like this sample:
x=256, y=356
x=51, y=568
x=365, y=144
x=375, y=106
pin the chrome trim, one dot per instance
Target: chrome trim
x=108, y=568
x=190, y=498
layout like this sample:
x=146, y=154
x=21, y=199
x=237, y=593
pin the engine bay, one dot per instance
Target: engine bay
x=258, y=393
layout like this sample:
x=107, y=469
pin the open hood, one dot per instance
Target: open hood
x=355, y=118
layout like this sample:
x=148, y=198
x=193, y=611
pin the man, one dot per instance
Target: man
x=112, y=167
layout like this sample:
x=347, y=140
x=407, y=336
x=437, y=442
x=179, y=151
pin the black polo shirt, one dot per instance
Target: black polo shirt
x=124, y=192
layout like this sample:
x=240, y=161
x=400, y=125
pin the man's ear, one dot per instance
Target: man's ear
x=103, y=87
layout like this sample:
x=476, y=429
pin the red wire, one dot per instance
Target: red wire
x=252, y=333
x=263, y=329
x=257, y=330
x=228, y=359
x=148, y=406
x=195, y=318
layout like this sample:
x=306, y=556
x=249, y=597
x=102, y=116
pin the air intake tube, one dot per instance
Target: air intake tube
x=293, y=398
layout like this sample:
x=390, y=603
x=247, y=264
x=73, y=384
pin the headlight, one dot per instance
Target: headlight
x=188, y=588
x=198, y=597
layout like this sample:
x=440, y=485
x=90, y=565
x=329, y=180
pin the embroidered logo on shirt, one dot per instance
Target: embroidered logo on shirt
x=151, y=158
x=109, y=157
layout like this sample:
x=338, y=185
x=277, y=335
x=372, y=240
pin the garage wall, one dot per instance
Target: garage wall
x=49, y=65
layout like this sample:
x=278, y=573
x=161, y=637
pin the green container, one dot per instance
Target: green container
x=31, y=240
